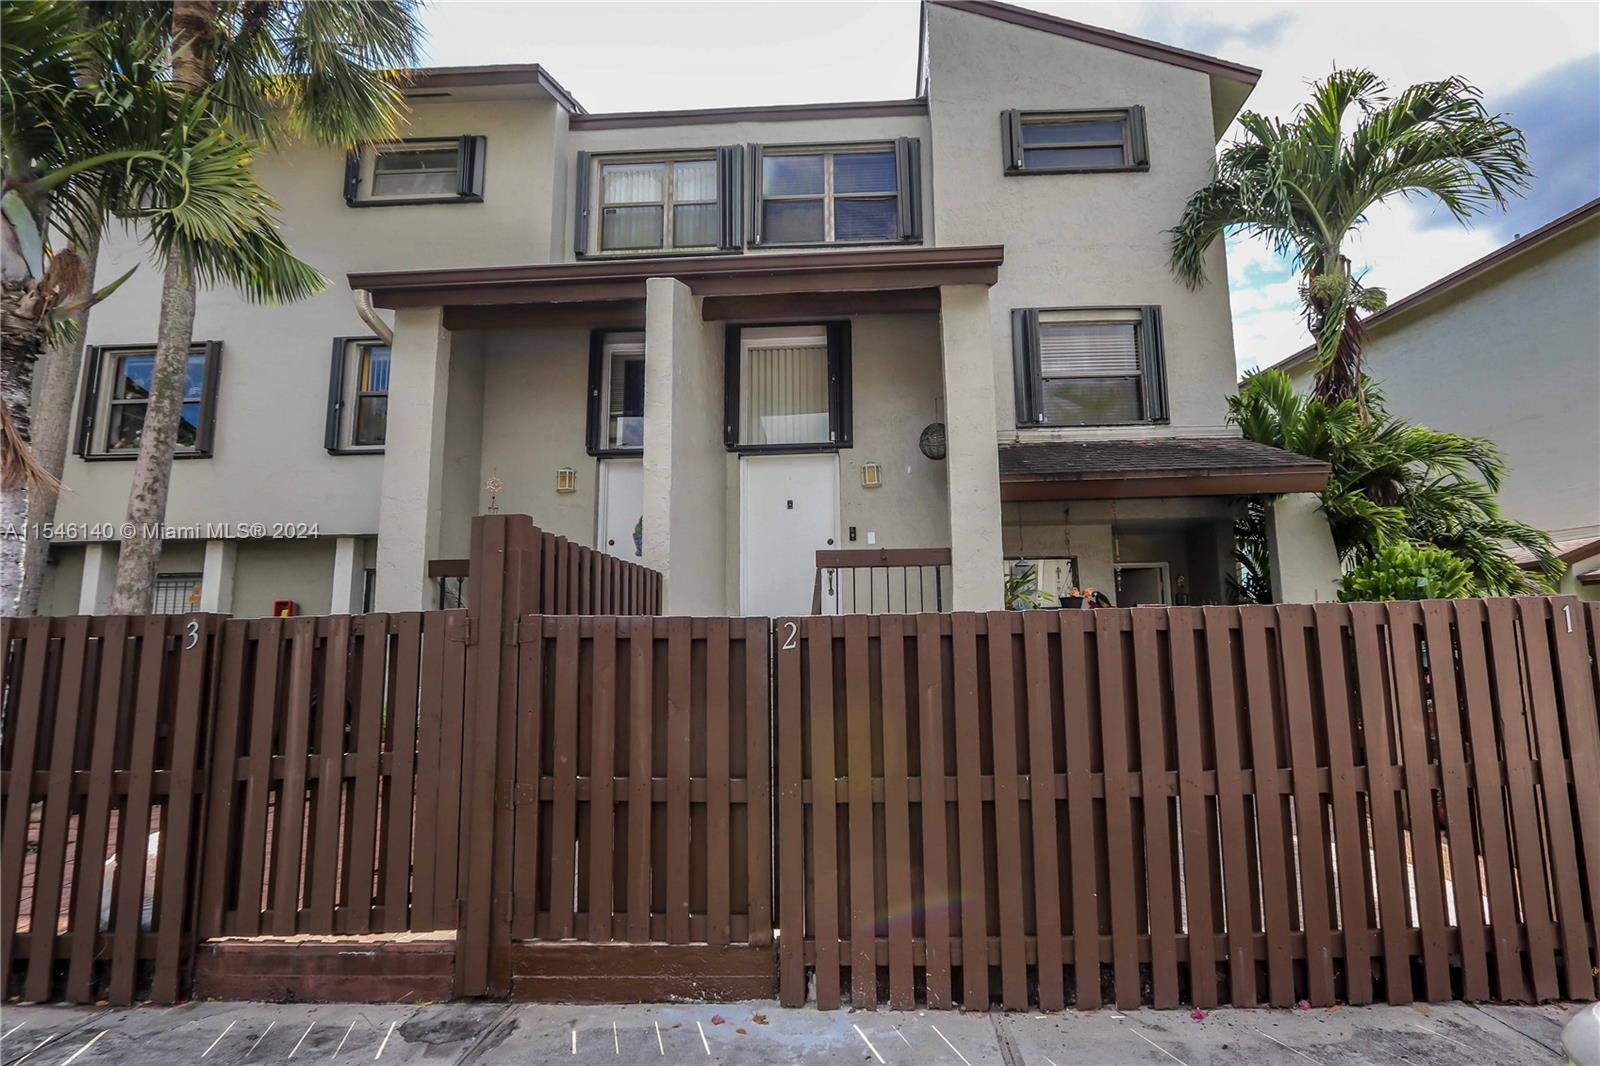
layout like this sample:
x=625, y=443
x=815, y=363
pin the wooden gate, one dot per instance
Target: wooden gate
x=1187, y=805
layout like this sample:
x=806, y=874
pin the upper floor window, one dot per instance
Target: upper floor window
x=616, y=392
x=1070, y=142
x=788, y=388
x=660, y=203
x=1089, y=366
x=116, y=397
x=358, y=396
x=846, y=194
x=420, y=171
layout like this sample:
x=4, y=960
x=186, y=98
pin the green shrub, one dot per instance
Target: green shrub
x=1405, y=571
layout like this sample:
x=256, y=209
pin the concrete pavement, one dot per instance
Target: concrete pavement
x=233, y=1034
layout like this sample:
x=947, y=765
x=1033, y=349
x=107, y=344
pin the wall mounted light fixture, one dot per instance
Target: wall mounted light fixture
x=871, y=475
x=566, y=480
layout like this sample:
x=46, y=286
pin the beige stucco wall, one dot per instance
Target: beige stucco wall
x=63, y=578
x=1078, y=240
x=1512, y=355
x=268, y=570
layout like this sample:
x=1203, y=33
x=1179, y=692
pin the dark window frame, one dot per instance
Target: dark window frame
x=730, y=202
x=95, y=356
x=1029, y=382
x=595, y=417
x=908, y=189
x=1135, y=141
x=334, y=438
x=472, y=163
x=841, y=390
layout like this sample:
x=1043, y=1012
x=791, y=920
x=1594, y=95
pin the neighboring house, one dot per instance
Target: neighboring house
x=1507, y=347
x=1582, y=558
x=720, y=341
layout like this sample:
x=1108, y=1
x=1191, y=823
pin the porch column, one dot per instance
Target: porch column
x=972, y=464
x=216, y=579
x=409, y=507
x=1305, y=565
x=349, y=575
x=99, y=577
x=685, y=536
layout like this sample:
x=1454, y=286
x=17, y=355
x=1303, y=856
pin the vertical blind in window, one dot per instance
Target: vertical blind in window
x=784, y=394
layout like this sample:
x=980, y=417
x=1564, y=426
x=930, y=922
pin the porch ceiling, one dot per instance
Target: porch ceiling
x=719, y=278
x=1166, y=466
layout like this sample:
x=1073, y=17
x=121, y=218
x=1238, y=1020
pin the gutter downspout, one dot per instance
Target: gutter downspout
x=370, y=316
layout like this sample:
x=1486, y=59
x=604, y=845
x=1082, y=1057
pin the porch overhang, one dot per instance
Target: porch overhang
x=892, y=279
x=1153, y=467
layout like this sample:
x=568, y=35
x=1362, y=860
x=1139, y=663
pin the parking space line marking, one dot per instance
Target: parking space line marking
x=385, y=1043
x=342, y=1039
x=14, y=1028
x=86, y=1047
x=901, y=1035
x=1050, y=1062
x=659, y=1045
x=40, y=1044
x=218, y=1040
x=1286, y=1047
x=867, y=1042
x=616, y=1044
x=1441, y=1036
x=706, y=1043
x=1158, y=1047
x=260, y=1038
x=302, y=1040
x=949, y=1045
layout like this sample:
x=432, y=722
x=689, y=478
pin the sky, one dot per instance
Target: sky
x=1537, y=63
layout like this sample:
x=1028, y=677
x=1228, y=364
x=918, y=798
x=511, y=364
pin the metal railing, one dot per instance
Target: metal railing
x=881, y=581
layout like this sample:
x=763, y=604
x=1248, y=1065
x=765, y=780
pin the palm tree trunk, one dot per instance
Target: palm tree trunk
x=152, y=471
x=55, y=391
x=193, y=22
x=21, y=340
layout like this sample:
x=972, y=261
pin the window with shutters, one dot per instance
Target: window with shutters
x=788, y=388
x=851, y=194
x=1071, y=142
x=616, y=393
x=116, y=394
x=689, y=202
x=1089, y=366
x=358, y=396
x=416, y=171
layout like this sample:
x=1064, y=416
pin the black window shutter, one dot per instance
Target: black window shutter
x=352, y=175
x=839, y=383
x=908, y=174
x=1011, y=139
x=730, y=386
x=1025, y=363
x=597, y=346
x=755, y=194
x=473, y=162
x=330, y=431
x=206, y=433
x=730, y=196
x=580, y=207
x=1153, y=359
x=88, y=399
x=1136, y=137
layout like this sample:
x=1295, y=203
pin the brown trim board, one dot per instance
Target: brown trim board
x=1153, y=484
x=424, y=78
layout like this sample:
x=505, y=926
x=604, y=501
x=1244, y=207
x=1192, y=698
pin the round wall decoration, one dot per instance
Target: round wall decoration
x=932, y=440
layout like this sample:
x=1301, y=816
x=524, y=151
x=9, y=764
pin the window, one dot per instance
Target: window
x=657, y=203
x=437, y=170
x=358, y=396
x=176, y=594
x=1089, y=366
x=854, y=194
x=116, y=393
x=1069, y=142
x=616, y=393
x=788, y=388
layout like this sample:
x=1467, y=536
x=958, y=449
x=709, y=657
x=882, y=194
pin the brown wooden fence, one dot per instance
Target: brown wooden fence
x=1212, y=805
x=570, y=578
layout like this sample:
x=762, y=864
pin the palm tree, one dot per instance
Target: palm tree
x=1306, y=185
x=1394, y=482
x=77, y=152
x=317, y=68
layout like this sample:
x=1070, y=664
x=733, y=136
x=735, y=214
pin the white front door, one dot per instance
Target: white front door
x=789, y=509
x=621, y=518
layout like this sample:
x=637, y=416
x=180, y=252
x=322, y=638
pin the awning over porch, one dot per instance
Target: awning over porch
x=1164, y=466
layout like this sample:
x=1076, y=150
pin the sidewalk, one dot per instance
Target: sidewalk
x=226, y=1034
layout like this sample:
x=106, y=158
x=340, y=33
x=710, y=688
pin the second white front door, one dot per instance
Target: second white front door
x=621, y=517
x=789, y=510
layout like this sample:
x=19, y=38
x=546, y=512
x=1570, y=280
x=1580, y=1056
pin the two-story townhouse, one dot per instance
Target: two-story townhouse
x=937, y=334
